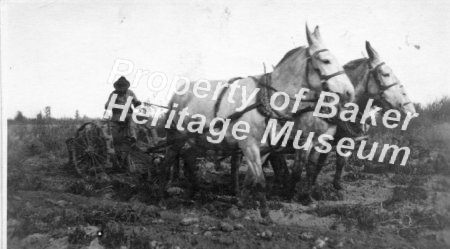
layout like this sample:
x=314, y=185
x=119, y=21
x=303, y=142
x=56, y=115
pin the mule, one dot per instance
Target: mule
x=372, y=79
x=313, y=67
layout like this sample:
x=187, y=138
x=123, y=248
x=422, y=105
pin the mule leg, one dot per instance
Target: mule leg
x=164, y=172
x=254, y=179
x=279, y=166
x=296, y=174
x=190, y=170
x=175, y=172
x=171, y=155
x=340, y=164
x=235, y=164
x=310, y=171
x=317, y=161
x=217, y=164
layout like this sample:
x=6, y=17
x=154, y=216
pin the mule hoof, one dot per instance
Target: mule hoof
x=266, y=220
x=242, y=202
x=190, y=193
x=312, y=205
x=337, y=185
x=289, y=192
x=244, y=198
x=239, y=203
x=246, y=203
x=162, y=204
x=309, y=201
x=265, y=214
x=234, y=192
x=173, y=191
x=288, y=196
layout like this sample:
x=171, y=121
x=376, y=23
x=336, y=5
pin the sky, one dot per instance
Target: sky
x=60, y=53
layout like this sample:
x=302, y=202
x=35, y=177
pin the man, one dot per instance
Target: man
x=121, y=89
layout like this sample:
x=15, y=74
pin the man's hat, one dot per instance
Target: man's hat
x=122, y=84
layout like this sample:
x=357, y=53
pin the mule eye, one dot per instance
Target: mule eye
x=326, y=61
x=386, y=75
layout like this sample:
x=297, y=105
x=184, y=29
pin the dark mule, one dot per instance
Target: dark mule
x=314, y=68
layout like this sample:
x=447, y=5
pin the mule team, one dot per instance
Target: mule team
x=313, y=67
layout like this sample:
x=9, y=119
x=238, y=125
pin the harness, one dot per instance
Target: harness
x=373, y=73
x=323, y=78
x=262, y=103
x=356, y=129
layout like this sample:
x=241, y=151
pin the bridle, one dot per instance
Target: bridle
x=382, y=88
x=323, y=78
x=265, y=81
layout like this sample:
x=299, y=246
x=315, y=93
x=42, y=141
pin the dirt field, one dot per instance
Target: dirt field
x=381, y=205
x=49, y=206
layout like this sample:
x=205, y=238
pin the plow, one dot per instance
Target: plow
x=101, y=148
x=104, y=147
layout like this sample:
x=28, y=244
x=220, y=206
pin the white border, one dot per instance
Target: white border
x=3, y=132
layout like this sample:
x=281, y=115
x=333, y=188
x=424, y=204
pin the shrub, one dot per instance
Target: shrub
x=428, y=137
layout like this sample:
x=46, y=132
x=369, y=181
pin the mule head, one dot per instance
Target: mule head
x=385, y=84
x=327, y=70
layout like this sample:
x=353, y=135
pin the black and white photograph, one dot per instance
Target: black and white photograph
x=225, y=124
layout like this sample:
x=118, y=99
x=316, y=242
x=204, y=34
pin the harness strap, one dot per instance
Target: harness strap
x=376, y=67
x=222, y=93
x=318, y=52
x=322, y=77
x=329, y=76
x=262, y=103
x=235, y=115
x=264, y=98
x=302, y=111
x=384, y=88
x=239, y=114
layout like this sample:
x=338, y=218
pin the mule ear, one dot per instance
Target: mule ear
x=316, y=33
x=373, y=55
x=309, y=35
